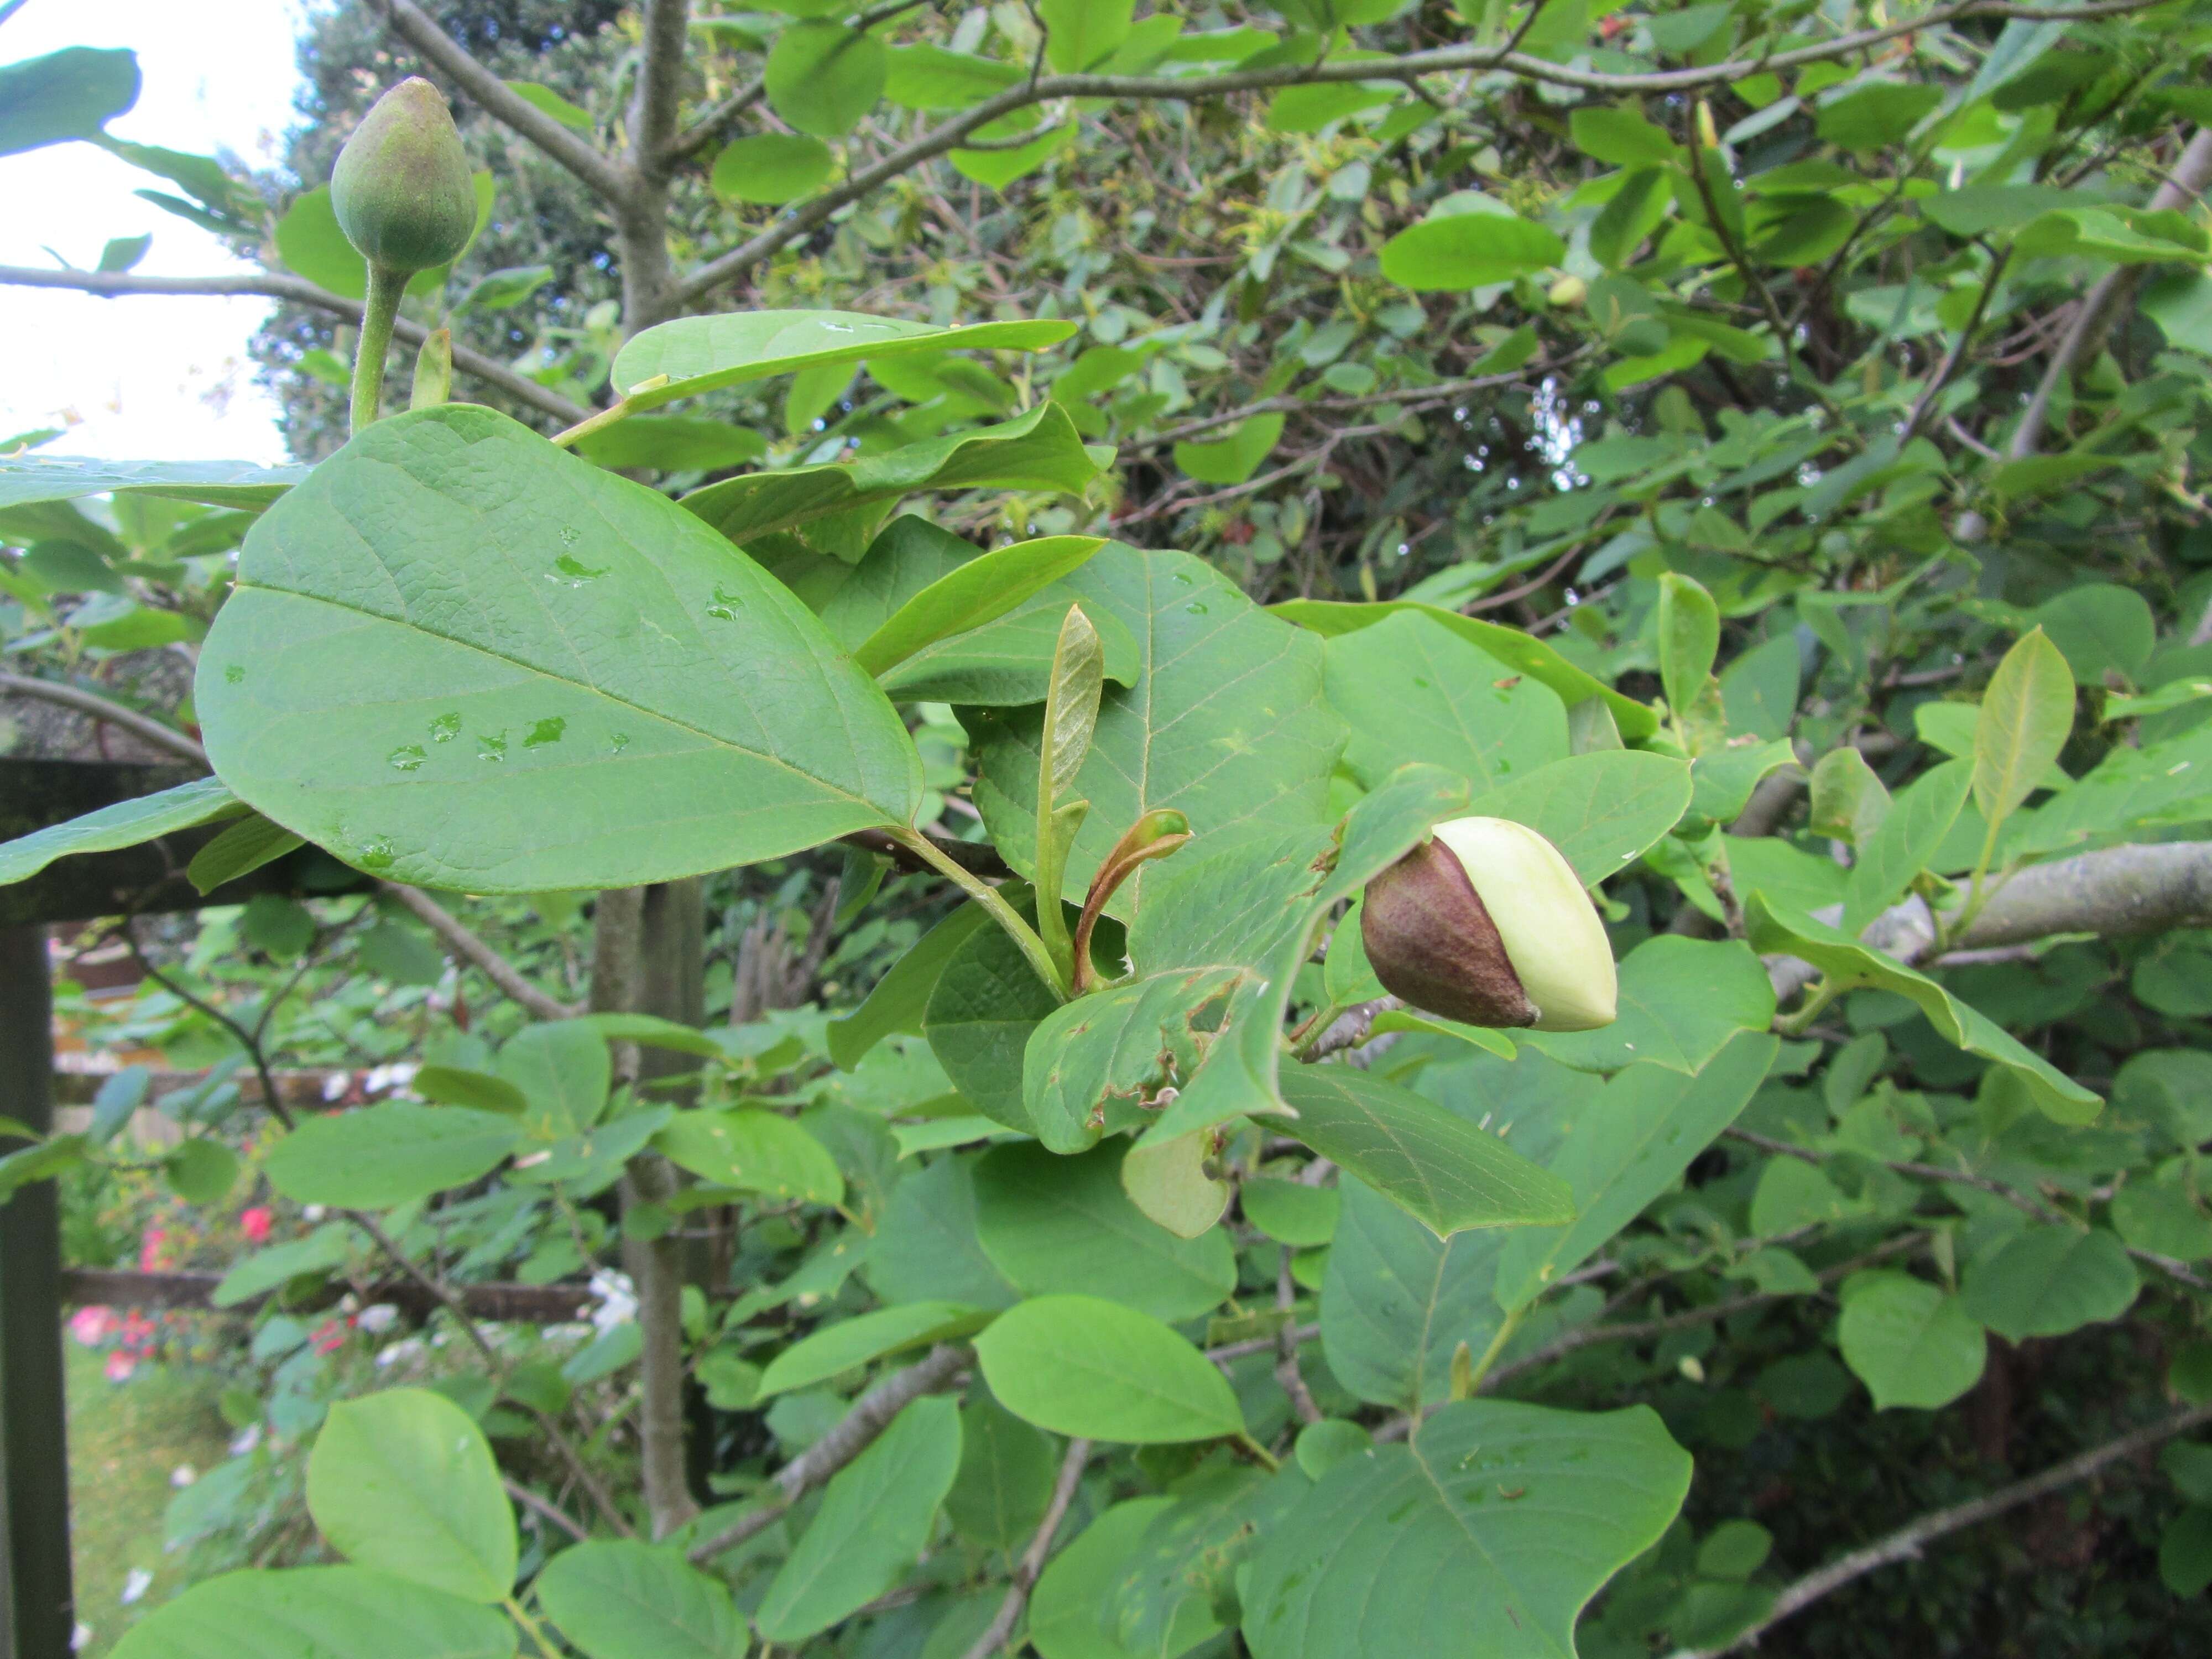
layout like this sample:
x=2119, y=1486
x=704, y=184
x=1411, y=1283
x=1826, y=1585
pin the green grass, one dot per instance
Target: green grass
x=123, y=1441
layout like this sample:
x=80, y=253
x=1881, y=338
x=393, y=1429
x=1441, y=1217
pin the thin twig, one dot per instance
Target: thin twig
x=551, y=1512
x=1906, y=1542
x=951, y=134
x=456, y=939
x=1001, y=1627
x=854, y=1433
x=602, y=176
x=144, y=727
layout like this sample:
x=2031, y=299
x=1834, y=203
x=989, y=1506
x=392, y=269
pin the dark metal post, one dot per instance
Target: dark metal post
x=34, y=1567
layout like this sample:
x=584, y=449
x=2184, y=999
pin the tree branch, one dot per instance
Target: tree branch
x=274, y=285
x=1906, y=1542
x=465, y=946
x=144, y=727
x=659, y=89
x=528, y=1304
x=1001, y=1627
x=603, y=176
x=1445, y=60
x=2098, y=307
x=855, y=1433
x=2117, y=892
x=710, y=125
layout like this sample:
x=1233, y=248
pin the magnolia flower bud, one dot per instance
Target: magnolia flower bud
x=1488, y=924
x=1569, y=292
x=401, y=189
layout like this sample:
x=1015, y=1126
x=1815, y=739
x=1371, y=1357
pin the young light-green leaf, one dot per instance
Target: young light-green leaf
x=978, y=592
x=754, y=1150
x=2027, y=713
x=1689, y=639
x=848, y=1343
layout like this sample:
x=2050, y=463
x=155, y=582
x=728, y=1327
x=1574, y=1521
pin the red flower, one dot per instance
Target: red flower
x=255, y=1223
x=330, y=1335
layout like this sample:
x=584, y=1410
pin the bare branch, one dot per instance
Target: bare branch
x=529, y=1305
x=144, y=727
x=1001, y=1628
x=276, y=286
x=1906, y=1542
x=467, y=947
x=2098, y=307
x=2117, y=892
x=855, y=1433
x=605, y=177
x=1408, y=68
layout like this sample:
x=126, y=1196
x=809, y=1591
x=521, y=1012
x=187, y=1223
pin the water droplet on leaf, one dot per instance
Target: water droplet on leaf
x=726, y=605
x=377, y=854
x=572, y=572
x=234, y=675
x=548, y=730
x=492, y=748
x=444, y=728
x=407, y=757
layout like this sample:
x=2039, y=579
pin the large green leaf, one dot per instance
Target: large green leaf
x=1521, y=652
x=1396, y=1300
x=1845, y=963
x=404, y=1481
x=374, y=1157
x=1602, y=810
x=1486, y=1532
x=823, y=77
x=848, y=1343
x=1064, y=1225
x=1079, y=1364
x=1068, y=1613
x=874, y=1520
x=317, y=1613
x=1182, y=1577
x=564, y=1072
x=987, y=1002
x=1909, y=1341
x=753, y=1150
x=1005, y=1479
x=1627, y=1148
x=621, y=1599
x=126, y=824
x=24, y=479
x=1680, y=1001
x=925, y=1248
x=463, y=657
x=1226, y=723
x=1040, y=451
x=700, y=353
x=1431, y=1162
x=901, y=997
x=2050, y=1281
x=1413, y=689
x=70, y=93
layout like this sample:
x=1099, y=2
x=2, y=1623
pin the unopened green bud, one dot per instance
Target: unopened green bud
x=1488, y=924
x=401, y=189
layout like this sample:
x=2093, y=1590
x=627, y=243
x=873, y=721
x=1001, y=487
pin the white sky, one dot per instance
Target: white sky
x=144, y=378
